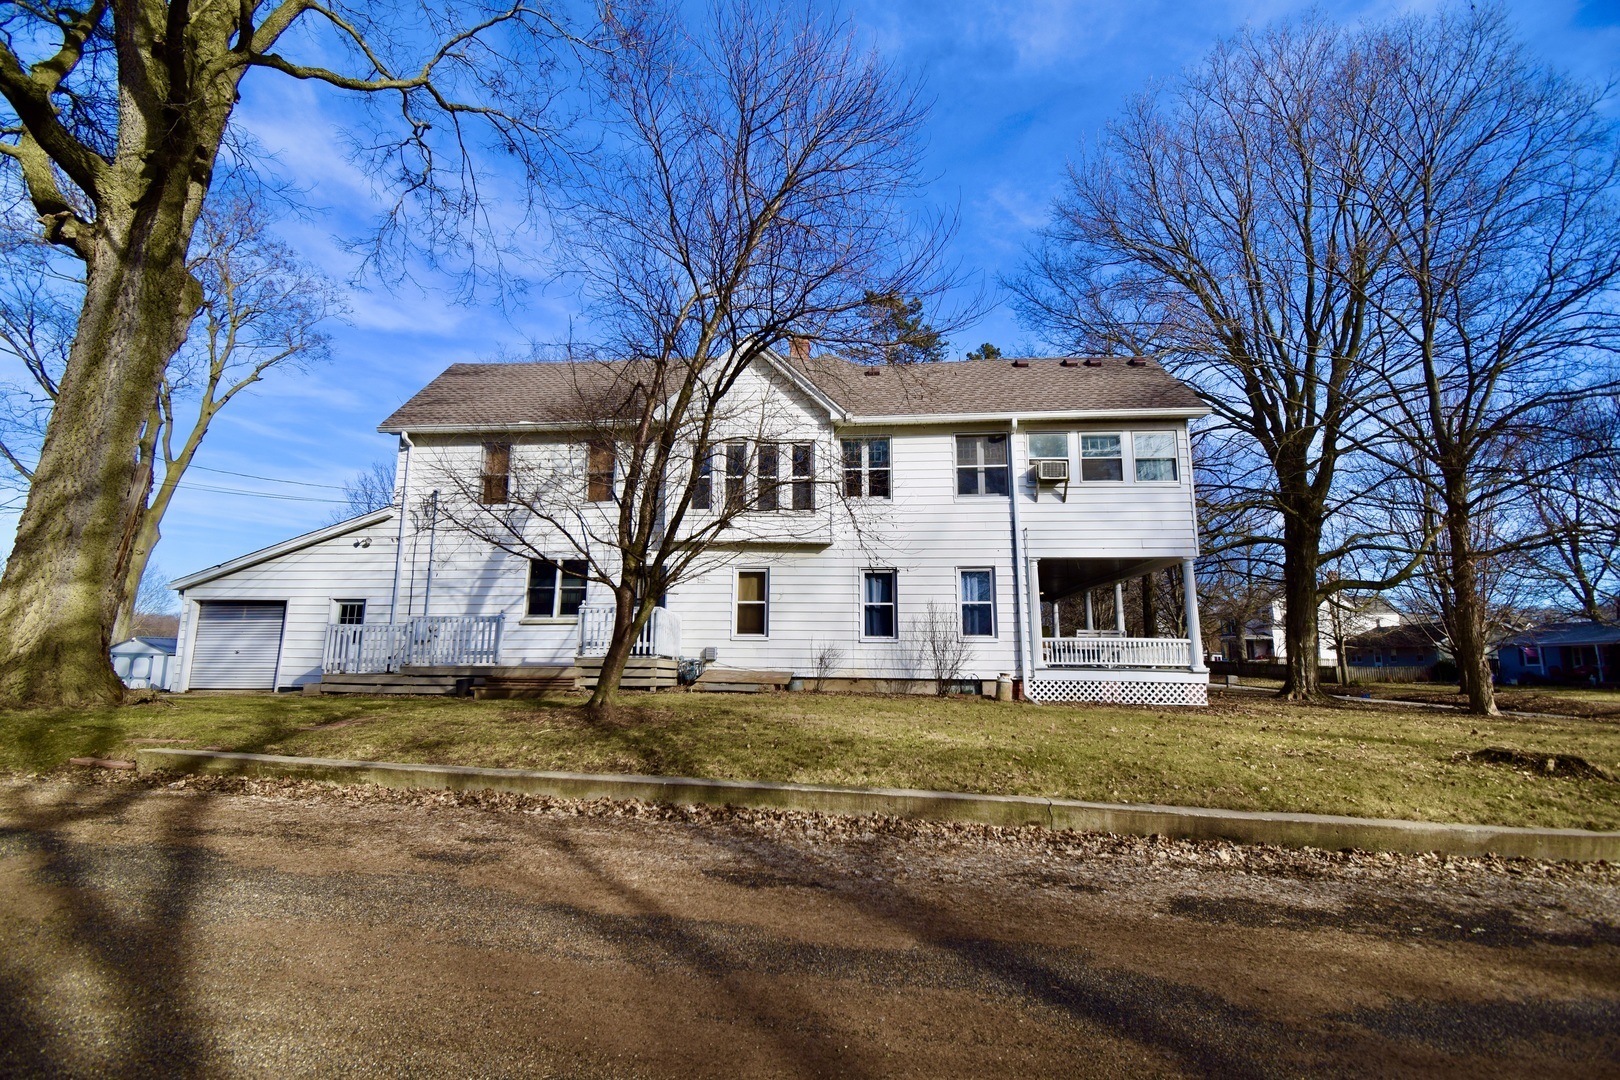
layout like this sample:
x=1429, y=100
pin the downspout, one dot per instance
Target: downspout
x=433, y=536
x=1014, y=483
x=399, y=543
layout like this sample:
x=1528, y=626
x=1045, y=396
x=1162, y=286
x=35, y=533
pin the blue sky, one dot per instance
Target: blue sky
x=1016, y=86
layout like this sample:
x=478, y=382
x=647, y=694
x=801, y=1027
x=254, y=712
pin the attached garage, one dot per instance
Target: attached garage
x=238, y=644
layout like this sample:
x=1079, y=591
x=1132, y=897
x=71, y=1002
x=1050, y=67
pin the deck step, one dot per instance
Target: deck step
x=737, y=681
x=640, y=673
x=525, y=682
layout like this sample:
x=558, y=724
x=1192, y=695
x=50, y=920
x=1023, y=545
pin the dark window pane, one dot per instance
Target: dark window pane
x=877, y=483
x=852, y=453
x=995, y=480
x=572, y=594
x=852, y=483
x=879, y=621
x=542, y=589
x=1101, y=469
x=703, y=490
x=995, y=449
x=967, y=481
x=751, y=618
x=977, y=620
x=769, y=469
x=736, y=476
x=351, y=612
x=877, y=453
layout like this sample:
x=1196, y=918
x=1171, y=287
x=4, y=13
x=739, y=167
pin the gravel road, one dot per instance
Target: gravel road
x=223, y=927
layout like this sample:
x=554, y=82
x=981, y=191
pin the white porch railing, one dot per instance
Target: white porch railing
x=660, y=637
x=428, y=641
x=1109, y=651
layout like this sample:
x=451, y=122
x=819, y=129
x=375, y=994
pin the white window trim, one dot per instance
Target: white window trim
x=860, y=603
x=552, y=620
x=866, y=467
x=1127, y=463
x=336, y=611
x=961, y=602
x=1175, y=437
x=736, y=598
x=1012, y=482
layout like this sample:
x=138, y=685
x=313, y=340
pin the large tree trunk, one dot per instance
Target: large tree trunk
x=1302, y=545
x=1468, y=608
x=60, y=592
x=628, y=622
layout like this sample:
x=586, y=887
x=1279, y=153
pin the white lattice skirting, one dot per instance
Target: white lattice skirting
x=1119, y=691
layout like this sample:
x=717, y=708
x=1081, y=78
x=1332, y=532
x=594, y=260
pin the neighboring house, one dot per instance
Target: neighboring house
x=1408, y=646
x=145, y=662
x=1563, y=652
x=984, y=488
x=1264, y=638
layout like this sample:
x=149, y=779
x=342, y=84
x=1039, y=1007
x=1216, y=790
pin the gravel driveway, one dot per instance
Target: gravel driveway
x=223, y=927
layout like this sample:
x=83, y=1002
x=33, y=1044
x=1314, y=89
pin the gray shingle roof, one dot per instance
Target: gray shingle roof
x=1580, y=632
x=498, y=395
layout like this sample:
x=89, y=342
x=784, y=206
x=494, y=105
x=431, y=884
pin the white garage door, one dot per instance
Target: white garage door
x=238, y=644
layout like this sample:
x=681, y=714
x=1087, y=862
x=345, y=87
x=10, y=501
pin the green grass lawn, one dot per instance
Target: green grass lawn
x=1245, y=752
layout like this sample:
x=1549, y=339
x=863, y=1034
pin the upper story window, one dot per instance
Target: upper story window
x=599, y=470
x=766, y=496
x=496, y=475
x=1049, y=444
x=1101, y=458
x=556, y=589
x=1155, y=453
x=866, y=468
x=804, y=476
x=351, y=612
x=703, y=486
x=981, y=465
x=736, y=477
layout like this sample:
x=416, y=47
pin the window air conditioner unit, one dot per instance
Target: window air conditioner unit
x=1052, y=469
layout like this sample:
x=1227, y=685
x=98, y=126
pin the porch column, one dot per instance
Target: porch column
x=1091, y=623
x=1036, y=646
x=1119, y=607
x=1195, y=636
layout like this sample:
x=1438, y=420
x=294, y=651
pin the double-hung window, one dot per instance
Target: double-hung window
x=1155, y=453
x=866, y=468
x=599, y=470
x=351, y=612
x=703, y=488
x=981, y=465
x=1100, y=458
x=556, y=588
x=804, y=476
x=978, y=603
x=878, y=604
x=496, y=476
x=736, y=477
x=767, y=497
x=753, y=603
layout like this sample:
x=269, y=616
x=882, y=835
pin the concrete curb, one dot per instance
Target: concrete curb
x=1184, y=822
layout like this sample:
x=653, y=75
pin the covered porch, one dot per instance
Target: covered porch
x=1115, y=630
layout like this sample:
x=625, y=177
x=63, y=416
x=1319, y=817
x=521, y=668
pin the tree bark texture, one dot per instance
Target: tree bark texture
x=1468, y=606
x=1302, y=544
x=60, y=592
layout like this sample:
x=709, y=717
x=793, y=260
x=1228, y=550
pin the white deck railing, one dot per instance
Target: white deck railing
x=428, y=641
x=660, y=637
x=1107, y=651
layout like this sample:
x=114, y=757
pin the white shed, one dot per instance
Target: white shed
x=145, y=662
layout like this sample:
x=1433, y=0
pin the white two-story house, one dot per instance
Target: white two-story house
x=976, y=491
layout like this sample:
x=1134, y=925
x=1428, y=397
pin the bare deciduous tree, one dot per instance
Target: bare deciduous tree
x=938, y=646
x=1219, y=228
x=1497, y=198
x=371, y=489
x=747, y=189
x=113, y=121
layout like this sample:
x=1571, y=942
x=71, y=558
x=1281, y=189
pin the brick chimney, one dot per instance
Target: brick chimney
x=799, y=347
